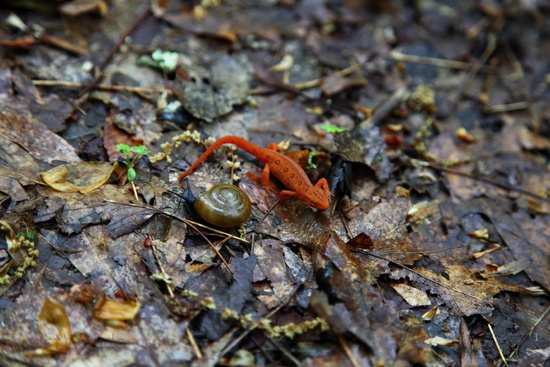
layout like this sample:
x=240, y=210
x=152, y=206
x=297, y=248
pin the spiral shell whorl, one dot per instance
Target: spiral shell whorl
x=224, y=206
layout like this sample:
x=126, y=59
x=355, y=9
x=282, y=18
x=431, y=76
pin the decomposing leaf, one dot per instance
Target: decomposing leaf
x=78, y=177
x=460, y=289
x=365, y=146
x=428, y=316
x=272, y=265
x=78, y=7
x=54, y=326
x=17, y=126
x=118, y=335
x=437, y=340
x=414, y=297
x=212, y=87
x=116, y=310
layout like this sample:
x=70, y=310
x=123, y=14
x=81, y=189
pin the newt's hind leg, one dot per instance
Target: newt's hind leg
x=265, y=177
x=285, y=194
x=273, y=146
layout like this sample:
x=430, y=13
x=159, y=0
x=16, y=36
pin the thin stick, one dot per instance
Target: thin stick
x=184, y=220
x=386, y=107
x=266, y=214
x=451, y=64
x=285, y=351
x=112, y=53
x=497, y=345
x=214, y=248
x=423, y=276
x=544, y=314
x=507, y=107
x=349, y=353
x=518, y=67
x=491, y=44
x=113, y=88
x=168, y=285
x=255, y=325
x=194, y=344
x=316, y=82
x=490, y=181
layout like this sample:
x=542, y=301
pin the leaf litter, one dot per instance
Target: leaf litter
x=434, y=249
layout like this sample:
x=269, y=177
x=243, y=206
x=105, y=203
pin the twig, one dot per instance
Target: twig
x=168, y=284
x=113, y=88
x=489, y=181
x=215, y=249
x=507, y=107
x=266, y=214
x=386, y=106
x=423, y=276
x=184, y=220
x=544, y=314
x=349, y=353
x=41, y=38
x=254, y=326
x=451, y=64
x=285, y=351
x=111, y=54
x=194, y=344
x=316, y=82
x=491, y=44
x=61, y=43
x=497, y=345
x=535, y=122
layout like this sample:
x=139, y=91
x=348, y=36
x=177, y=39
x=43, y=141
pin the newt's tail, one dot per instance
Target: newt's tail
x=240, y=142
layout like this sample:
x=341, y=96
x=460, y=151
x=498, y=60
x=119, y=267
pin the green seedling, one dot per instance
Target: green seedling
x=331, y=129
x=131, y=154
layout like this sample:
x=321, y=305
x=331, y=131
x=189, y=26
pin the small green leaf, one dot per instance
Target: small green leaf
x=123, y=148
x=141, y=150
x=131, y=174
x=332, y=129
x=310, y=163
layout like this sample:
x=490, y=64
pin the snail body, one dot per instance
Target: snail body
x=223, y=205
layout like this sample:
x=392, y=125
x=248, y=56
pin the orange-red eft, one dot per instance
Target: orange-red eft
x=283, y=168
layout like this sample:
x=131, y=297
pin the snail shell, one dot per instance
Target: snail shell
x=224, y=206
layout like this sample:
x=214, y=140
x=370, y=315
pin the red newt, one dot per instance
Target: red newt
x=283, y=168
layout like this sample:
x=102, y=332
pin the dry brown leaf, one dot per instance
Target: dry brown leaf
x=414, y=297
x=55, y=327
x=116, y=310
x=79, y=177
x=78, y=7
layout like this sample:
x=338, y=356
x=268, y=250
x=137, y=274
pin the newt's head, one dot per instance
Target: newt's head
x=318, y=197
x=320, y=202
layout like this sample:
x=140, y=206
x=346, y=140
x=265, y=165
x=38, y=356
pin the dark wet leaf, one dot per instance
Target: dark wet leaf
x=365, y=146
x=211, y=87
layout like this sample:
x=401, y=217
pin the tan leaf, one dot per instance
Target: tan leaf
x=78, y=177
x=54, y=326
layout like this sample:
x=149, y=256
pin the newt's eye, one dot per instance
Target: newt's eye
x=313, y=203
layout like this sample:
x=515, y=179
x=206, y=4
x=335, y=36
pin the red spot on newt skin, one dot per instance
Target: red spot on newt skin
x=283, y=168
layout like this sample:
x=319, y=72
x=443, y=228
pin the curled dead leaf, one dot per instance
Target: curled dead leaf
x=413, y=296
x=114, y=310
x=55, y=327
x=428, y=316
x=78, y=177
x=437, y=340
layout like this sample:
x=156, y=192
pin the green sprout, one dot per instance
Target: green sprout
x=131, y=156
x=331, y=129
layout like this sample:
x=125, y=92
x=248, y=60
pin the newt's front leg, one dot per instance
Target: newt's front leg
x=323, y=184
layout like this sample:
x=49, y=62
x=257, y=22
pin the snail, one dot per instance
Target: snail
x=223, y=205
